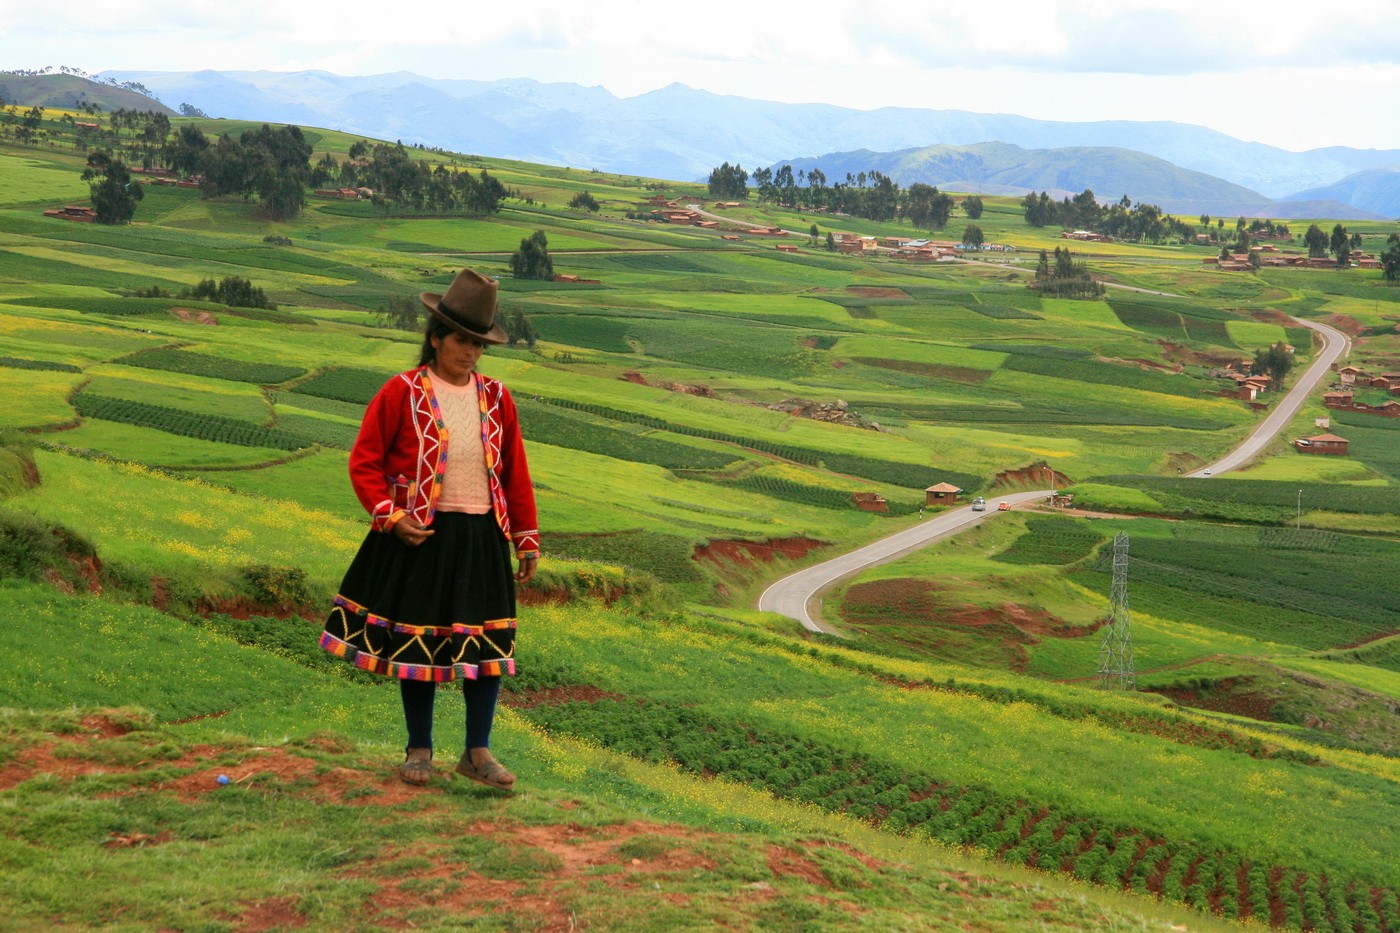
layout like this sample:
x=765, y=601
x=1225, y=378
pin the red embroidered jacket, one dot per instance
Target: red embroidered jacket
x=397, y=463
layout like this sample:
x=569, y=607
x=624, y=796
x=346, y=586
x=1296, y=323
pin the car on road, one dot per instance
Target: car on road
x=979, y=504
x=1004, y=507
x=1206, y=473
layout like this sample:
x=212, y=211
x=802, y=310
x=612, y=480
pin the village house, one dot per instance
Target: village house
x=82, y=215
x=941, y=494
x=870, y=502
x=1085, y=235
x=1348, y=375
x=785, y=247
x=854, y=243
x=1322, y=444
x=1338, y=398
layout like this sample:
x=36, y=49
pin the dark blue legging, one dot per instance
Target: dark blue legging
x=418, y=698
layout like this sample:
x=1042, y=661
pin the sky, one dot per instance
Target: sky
x=1293, y=74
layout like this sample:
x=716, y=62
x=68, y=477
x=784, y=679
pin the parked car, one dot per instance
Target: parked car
x=1004, y=507
x=979, y=504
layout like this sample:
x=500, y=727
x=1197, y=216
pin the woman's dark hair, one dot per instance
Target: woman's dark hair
x=436, y=328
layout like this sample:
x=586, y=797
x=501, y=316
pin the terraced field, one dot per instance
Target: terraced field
x=178, y=454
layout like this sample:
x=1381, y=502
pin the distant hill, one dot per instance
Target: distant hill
x=71, y=91
x=680, y=132
x=1377, y=188
x=1001, y=168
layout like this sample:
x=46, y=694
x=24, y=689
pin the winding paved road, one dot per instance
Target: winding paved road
x=798, y=595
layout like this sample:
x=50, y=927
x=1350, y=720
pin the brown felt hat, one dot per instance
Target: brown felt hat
x=468, y=307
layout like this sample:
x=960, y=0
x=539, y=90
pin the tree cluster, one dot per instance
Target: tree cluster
x=870, y=195
x=271, y=163
x=400, y=181
x=584, y=201
x=1122, y=220
x=532, y=260
x=234, y=291
x=520, y=330
x=114, y=197
x=729, y=183
x=1065, y=278
x=1274, y=362
x=1390, y=258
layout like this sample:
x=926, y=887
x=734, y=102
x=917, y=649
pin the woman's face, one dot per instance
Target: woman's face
x=456, y=357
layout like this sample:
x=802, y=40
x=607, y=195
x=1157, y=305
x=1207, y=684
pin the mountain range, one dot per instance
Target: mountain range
x=680, y=132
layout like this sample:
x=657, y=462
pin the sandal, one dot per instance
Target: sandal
x=416, y=771
x=490, y=772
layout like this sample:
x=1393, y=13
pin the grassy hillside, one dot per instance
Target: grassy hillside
x=173, y=474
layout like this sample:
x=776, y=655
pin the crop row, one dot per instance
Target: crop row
x=1053, y=540
x=1129, y=377
x=792, y=491
x=909, y=475
x=1003, y=312
x=16, y=363
x=1322, y=583
x=187, y=424
x=1044, y=350
x=345, y=384
x=1084, y=412
x=1260, y=500
x=549, y=425
x=1228, y=607
x=1049, y=837
x=666, y=557
x=215, y=367
x=328, y=406
x=578, y=330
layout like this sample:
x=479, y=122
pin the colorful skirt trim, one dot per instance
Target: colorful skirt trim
x=438, y=611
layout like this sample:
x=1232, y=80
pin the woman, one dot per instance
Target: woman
x=430, y=597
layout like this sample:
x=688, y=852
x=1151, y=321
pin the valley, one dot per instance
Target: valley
x=705, y=412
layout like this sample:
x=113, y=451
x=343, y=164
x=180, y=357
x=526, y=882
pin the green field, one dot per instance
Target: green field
x=685, y=760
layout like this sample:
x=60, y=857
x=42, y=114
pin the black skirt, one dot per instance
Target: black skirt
x=435, y=611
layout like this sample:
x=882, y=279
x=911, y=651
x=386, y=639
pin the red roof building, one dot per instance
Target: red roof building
x=1322, y=444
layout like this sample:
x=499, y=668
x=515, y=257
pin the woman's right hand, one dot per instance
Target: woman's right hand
x=410, y=531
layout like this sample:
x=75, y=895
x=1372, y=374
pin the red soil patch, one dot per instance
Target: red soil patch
x=372, y=782
x=1035, y=474
x=275, y=913
x=544, y=898
x=875, y=291
x=635, y=378
x=1224, y=698
x=194, y=317
x=724, y=553
x=1345, y=323
x=555, y=696
x=788, y=862
x=914, y=602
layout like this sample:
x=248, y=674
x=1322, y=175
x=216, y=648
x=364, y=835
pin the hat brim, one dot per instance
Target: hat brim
x=495, y=335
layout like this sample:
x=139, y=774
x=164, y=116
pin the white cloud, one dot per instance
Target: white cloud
x=1289, y=73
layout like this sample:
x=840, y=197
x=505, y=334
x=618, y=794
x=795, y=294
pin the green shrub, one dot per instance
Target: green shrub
x=279, y=588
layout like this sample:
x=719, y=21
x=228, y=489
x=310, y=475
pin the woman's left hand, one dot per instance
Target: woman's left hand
x=528, y=564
